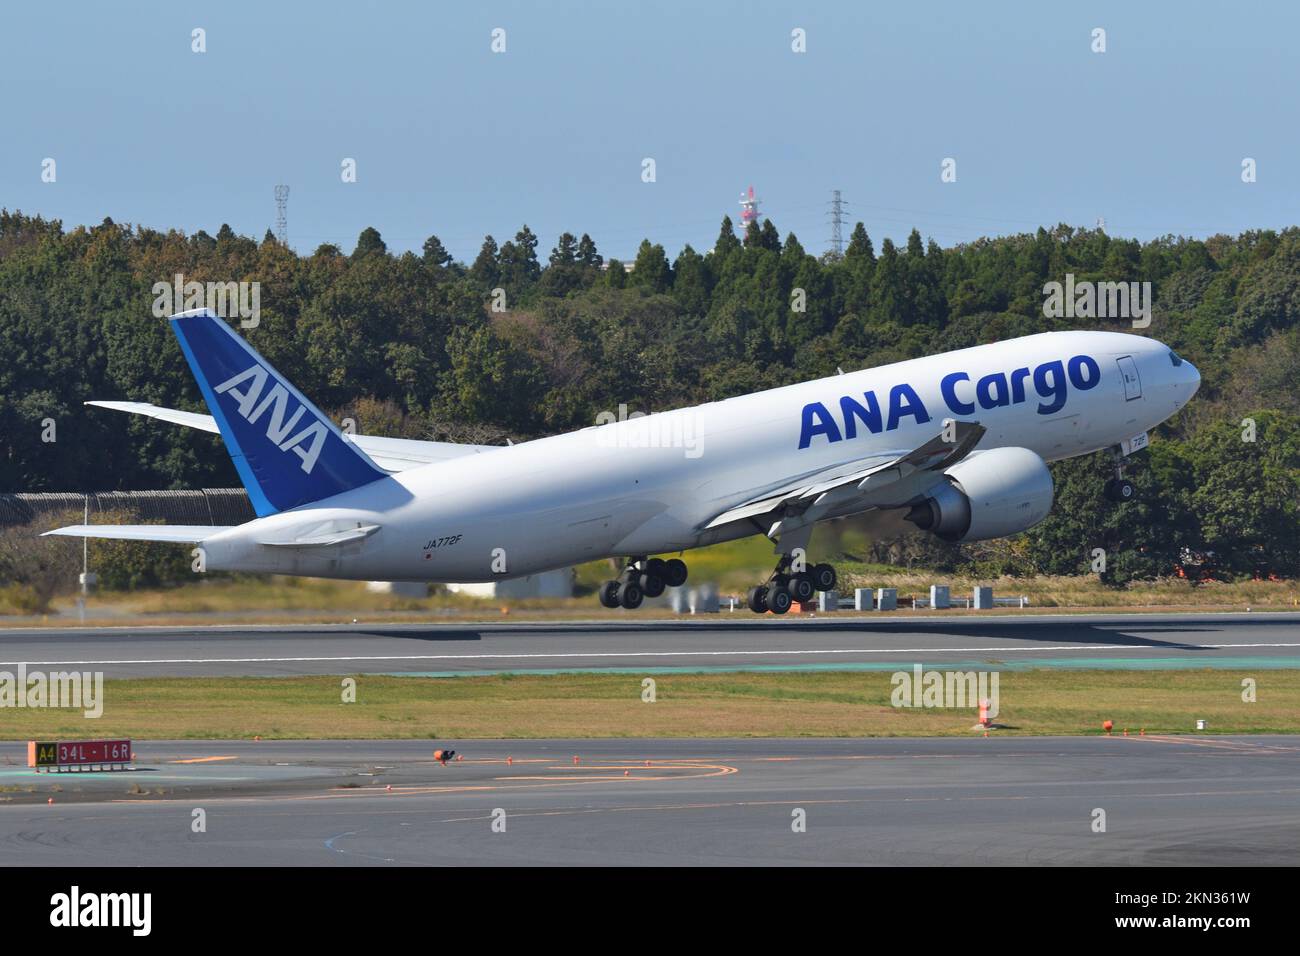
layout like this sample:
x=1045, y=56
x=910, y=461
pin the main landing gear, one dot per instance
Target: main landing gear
x=1119, y=488
x=783, y=588
x=643, y=578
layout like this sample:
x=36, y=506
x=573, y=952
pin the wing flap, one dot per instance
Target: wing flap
x=848, y=480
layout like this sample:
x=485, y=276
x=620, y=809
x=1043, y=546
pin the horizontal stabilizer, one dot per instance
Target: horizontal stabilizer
x=204, y=423
x=390, y=454
x=174, y=533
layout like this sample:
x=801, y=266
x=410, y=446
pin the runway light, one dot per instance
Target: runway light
x=1106, y=726
x=510, y=761
x=50, y=801
x=575, y=760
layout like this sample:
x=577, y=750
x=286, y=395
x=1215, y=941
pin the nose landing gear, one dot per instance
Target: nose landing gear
x=642, y=578
x=1119, y=488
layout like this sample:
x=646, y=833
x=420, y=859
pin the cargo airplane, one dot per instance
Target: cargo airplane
x=958, y=443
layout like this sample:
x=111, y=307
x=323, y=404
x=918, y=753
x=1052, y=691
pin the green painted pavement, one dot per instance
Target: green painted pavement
x=1020, y=664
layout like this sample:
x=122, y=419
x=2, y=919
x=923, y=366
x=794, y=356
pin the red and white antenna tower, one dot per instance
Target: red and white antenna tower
x=749, y=209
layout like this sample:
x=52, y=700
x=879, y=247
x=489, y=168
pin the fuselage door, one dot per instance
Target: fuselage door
x=1132, y=383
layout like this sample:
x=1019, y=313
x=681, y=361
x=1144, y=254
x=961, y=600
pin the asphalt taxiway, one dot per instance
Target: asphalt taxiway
x=707, y=642
x=1196, y=800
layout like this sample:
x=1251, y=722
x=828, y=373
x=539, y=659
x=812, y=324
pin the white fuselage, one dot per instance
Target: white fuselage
x=648, y=485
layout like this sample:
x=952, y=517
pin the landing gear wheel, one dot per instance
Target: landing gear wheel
x=657, y=567
x=801, y=587
x=609, y=594
x=630, y=595
x=758, y=599
x=824, y=577
x=1120, y=490
x=652, y=584
x=777, y=597
x=675, y=572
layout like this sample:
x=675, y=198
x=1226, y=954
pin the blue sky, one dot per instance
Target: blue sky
x=452, y=139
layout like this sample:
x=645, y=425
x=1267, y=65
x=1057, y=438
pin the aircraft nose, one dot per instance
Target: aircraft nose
x=1193, y=377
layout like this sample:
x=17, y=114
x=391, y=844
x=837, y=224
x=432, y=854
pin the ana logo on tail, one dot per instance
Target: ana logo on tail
x=277, y=429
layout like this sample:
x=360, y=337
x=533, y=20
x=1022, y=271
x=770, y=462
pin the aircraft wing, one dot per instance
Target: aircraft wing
x=844, y=482
x=390, y=454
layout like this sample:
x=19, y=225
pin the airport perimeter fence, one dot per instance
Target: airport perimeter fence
x=204, y=506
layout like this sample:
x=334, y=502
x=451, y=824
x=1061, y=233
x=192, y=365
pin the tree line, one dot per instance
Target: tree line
x=513, y=347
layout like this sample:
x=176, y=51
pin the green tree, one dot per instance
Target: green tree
x=436, y=254
x=369, y=243
x=486, y=269
x=650, y=271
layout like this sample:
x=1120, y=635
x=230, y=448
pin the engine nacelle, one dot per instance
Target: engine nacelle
x=989, y=495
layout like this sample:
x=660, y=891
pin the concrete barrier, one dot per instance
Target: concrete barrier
x=939, y=596
x=886, y=599
x=863, y=599
x=982, y=598
x=828, y=601
x=702, y=599
x=407, y=589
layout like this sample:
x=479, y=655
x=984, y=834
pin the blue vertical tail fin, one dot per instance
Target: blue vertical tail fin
x=287, y=452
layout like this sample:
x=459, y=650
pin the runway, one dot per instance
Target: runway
x=716, y=642
x=1163, y=800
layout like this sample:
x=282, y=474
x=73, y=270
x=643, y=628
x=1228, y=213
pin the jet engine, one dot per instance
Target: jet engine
x=988, y=495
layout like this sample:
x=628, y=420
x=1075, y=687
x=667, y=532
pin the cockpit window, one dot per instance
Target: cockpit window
x=1175, y=359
